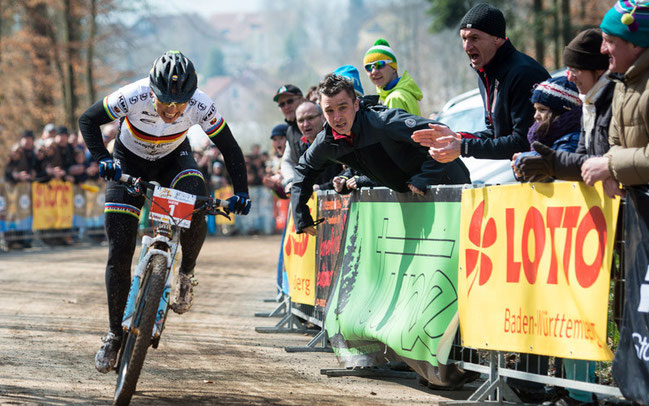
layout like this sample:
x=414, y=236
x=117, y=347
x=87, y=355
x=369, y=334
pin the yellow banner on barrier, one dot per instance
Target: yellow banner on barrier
x=299, y=259
x=95, y=197
x=52, y=205
x=534, y=274
x=222, y=194
x=19, y=202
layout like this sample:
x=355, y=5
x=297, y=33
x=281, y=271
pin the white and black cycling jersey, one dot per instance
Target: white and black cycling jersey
x=144, y=133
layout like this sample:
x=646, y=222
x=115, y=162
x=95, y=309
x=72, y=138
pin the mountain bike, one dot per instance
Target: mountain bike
x=148, y=299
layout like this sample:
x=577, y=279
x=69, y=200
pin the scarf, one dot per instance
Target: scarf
x=588, y=106
x=568, y=122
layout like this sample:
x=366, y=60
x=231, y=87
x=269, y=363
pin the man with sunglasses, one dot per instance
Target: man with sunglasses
x=288, y=97
x=505, y=78
x=396, y=92
x=155, y=114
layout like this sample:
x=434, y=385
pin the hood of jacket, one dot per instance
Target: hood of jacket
x=405, y=84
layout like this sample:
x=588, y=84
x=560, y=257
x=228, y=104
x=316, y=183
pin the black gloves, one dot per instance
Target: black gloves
x=538, y=168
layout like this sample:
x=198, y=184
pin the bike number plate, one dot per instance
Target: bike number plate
x=172, y=206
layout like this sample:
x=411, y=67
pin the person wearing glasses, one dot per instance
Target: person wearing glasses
x=288, y=97
x=155, y=114
x=396, y=92
x=505, y=78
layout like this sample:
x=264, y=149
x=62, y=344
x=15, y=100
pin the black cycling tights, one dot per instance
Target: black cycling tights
x=121, y=230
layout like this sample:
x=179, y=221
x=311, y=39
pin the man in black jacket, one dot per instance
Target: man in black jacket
x=506, y=78
x=373, y=140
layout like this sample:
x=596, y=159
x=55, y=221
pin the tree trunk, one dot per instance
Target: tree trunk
x=66, y=64
x=41, y=31
x=566, y=25
x=555, y=34
x=90, y=52
x=539, y=28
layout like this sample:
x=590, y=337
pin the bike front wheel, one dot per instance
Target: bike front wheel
x=138, y=339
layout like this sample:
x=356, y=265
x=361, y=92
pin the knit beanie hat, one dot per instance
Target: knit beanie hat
x=629, y=20
x=583, y=51
x=559, y=94
x=381, y=51
x=351, y=73
x=279, y=129
x=486, y=18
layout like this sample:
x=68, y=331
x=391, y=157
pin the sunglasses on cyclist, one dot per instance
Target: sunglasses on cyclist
x=376, y=65
x=285, y=102
x=171, y=104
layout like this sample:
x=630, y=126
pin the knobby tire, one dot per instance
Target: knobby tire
x=136, y=345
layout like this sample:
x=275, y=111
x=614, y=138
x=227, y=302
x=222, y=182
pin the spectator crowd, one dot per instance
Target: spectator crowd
x=591, y=124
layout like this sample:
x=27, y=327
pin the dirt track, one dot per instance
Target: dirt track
x=53, y=312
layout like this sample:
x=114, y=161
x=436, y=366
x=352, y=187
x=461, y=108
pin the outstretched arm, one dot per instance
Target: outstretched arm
x=233, y=158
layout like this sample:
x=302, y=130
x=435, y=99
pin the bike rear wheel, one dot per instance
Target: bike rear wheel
x=137, y=340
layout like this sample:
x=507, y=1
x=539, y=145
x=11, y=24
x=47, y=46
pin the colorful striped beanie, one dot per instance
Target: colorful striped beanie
x=559, y=94
x=629, y=20
x=381, y=51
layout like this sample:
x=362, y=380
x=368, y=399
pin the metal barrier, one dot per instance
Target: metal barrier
x=81, y=220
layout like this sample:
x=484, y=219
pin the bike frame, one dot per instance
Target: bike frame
x=151, y=246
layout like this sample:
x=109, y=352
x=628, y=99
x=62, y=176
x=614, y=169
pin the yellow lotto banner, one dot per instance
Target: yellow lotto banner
x=52, y=205
x=534, y=272
x=299, y=259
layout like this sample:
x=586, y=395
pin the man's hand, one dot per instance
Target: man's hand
x=428, y=137
x=310, y=230
x=538, y=168
x=415, y=190
x=351, y=183
x=444, y=144
x=612, y=188
x=339, y=183
x=594, y=169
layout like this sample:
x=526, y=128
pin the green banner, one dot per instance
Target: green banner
x=397, y=283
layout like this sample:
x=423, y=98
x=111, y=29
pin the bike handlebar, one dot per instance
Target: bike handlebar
x=212, y=204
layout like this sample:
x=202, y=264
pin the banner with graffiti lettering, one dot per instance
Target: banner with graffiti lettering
x=52, y=205
x=395, y=294
x=299, y=260
x=333, y=207
x=535, y=262
x=631, y=364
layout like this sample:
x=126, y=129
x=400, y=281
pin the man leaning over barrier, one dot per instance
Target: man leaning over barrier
x=373, y=140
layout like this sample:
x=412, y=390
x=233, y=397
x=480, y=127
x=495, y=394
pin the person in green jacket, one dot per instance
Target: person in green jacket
x=395, y=92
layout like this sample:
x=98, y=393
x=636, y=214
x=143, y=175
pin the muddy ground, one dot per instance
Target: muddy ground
x=53, y=312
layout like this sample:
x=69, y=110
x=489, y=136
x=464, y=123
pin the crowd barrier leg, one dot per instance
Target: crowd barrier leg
x=494, y=390
x=276, y=299
x=279, y=311
x=288, y=324
x=320, y=342
x=369, y=372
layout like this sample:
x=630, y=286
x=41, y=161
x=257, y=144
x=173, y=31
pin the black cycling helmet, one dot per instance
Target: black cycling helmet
x=173, y=78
